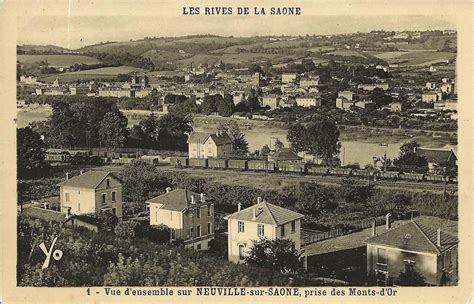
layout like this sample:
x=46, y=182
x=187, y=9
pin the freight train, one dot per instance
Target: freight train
x=124, y=156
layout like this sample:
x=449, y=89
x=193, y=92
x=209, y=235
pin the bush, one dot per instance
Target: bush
x=127, y=229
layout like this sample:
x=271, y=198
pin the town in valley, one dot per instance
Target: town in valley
x=205, y=160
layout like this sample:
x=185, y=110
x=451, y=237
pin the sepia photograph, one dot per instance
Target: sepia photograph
x=315, y=151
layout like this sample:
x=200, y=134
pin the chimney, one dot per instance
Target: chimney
x=168, y=189
x=259, y=200
x=387, y=221
x=67, y=175
x=193, y=200
x=254, y=210
x=239, y=206
x=374, y=228
x=82, y=172
x=438, y=237
x=203, y=198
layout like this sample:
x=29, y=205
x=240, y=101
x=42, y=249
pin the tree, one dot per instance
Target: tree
x=265, y=150
x=297, y=137
x=411, y=278
x=225, y=107
x=319, y=138
x=278, y=254
x=127, y=229
x=209, y=105
x=408, y=160
x=354, y=194
x=30, y=154
x=141, y=181
x=239, y=143
x=278, y=144
x=113, y=130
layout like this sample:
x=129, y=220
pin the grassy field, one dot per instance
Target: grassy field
x=102, y=73
x=424, y=58
x=58, y=60
x=347, y=53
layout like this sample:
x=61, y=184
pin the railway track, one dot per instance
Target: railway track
x=438, y=187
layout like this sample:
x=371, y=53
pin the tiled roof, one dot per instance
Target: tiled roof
x=221, y=139
x=414, y=236
x=266, y=213
x=199, y=137
x=44, y=214
x=89, y=180
x=285, y=154
x=435, y=155
x=176, y=200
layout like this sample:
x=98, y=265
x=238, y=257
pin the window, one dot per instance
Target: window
x=113, y=196
x=198, y=213
x=209, y=228
x=67, y=197
x=293, y=227
x=103, y=198
x=409, y=266
x=283, y=230
x=209, y=213
x=114, y=211
x=78, y=192
x=241, y=252
x=198, y=247
x=381, y=256
x=173, y=234
x=198, y=231
x=260, y=230
x=78, y=206
x=241, y=227
x=191, y=233
x=107, y=182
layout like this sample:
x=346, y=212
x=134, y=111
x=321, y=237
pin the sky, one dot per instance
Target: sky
x=78, y=31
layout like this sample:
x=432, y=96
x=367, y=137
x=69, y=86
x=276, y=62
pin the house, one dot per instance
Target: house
x=288, y=77
x=431, y=96
x=308, y=101
x=346, y=94
x=365, y=104
x=272, y=101
x=284, y=155
x=396, y=106
x=116, y=92
x=437, y=157
x=91, y=192
x=262, y=220
x=373, y=86
x=447, y=88
x=207, y=145
x=309, y=83
x=414, y=246
x=184, y=212
x=343, y=103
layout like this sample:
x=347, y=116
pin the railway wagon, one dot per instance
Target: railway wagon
x=286, y=166
x=54, y=157
x=341, y=171
x=220, y=163
x=261, y=165
x=436, y=178
x=237, y=164
x=123, y=160
x=151, y=159
x=389, y=174
x=363, y=173
x=318, y=170
x=198, y=162
x=179, y=161
x=412, y=176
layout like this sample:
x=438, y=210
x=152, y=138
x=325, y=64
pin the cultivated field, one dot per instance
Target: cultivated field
x=102, y=73
x=58, y=60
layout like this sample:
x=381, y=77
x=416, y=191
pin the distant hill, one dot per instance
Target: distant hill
x=42, y=48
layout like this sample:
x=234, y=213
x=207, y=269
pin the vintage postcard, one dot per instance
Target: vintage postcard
x=236, y=151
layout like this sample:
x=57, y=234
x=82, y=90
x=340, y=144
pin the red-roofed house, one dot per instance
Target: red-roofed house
x=91, y=192
x=413, y=246
x=184, y=212
x=262, y=220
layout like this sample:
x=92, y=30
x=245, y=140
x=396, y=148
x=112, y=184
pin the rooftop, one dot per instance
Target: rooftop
x=266, y=213
x=89, y=180
x=176, y=200
x=285, y=154
x=358, y=239
x=435, y=155
x=200, y=137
